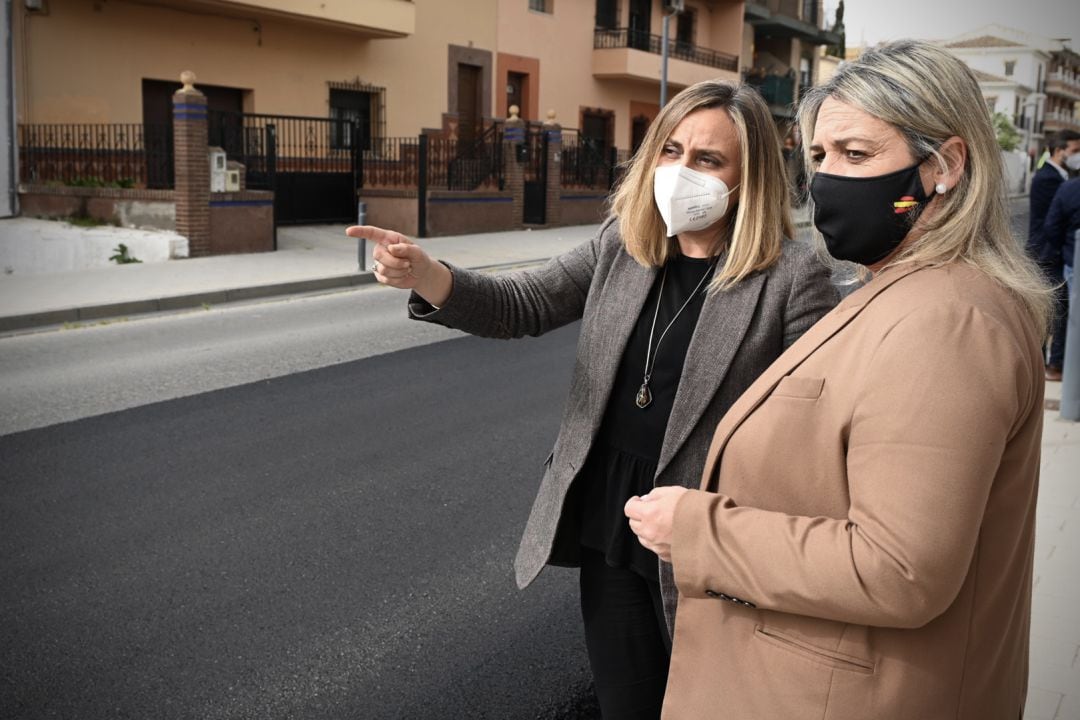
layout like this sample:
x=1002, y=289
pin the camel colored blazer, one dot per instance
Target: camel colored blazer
x=739, y=333
x=861, y=546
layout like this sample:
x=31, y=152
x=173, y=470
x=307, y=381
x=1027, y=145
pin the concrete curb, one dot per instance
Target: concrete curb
x=172, y=303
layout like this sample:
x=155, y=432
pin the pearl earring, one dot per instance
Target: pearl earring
x=940, y=188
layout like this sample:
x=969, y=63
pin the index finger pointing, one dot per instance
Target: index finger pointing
x=377, y=234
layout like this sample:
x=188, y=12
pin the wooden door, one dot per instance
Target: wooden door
x=468, y=103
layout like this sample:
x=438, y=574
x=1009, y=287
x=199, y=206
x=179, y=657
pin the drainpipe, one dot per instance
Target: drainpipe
x=9, y=203
x=673, y=7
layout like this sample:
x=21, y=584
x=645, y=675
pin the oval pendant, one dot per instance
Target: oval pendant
x=644, y=397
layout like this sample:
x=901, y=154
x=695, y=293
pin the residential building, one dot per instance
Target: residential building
x=380, y=73
x=597, y=64
x=388, y=63
x=1063, y=91
x=780, y=50
x=1035, y=81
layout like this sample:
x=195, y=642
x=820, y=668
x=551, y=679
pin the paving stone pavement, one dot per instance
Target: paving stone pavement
x=1054, y=686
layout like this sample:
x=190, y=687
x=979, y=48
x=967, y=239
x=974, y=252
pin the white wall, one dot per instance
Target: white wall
x=29, y=246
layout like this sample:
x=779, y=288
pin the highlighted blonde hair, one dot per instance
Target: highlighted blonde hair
x=929, y=96
x=762, y=217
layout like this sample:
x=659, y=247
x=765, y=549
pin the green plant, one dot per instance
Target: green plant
x=93, y=182
x=122, y=257
x=1008, y=137
x=85, y=221
x=96, y=182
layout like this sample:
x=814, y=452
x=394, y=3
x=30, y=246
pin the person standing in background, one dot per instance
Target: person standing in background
x=1044, y=185
x=1059, y=240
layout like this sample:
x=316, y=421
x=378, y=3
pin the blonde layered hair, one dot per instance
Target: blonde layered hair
x=929, y=96
x=763, y=213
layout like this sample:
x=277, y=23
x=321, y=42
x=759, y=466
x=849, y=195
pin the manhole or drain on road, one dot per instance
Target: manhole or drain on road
x=1052, y=404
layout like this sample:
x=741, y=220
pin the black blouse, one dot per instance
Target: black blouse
x=623, y=460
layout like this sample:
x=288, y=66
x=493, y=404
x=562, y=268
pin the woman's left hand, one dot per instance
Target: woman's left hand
x=651, y=517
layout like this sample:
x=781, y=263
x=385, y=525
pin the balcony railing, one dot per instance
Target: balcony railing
x=1064, y=118
x=1069, y=78
x=776, y=89
x=605, y=39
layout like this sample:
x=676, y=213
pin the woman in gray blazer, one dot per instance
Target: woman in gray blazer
x=689, y=291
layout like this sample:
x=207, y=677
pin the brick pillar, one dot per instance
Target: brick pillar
x=553, y=199
x=513, y=138
x=192, y=162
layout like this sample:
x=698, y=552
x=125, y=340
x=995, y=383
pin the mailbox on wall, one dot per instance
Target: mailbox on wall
x=217, y=170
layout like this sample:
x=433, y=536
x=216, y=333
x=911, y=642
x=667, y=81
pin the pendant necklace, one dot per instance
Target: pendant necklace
x=644, y=396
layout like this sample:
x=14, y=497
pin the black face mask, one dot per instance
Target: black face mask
x=864, y=219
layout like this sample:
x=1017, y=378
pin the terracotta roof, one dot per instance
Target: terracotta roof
x=987, y=77
x=984, y=41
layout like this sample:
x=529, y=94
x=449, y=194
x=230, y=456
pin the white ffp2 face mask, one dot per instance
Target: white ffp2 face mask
x=1073, y=162
x=687, y=199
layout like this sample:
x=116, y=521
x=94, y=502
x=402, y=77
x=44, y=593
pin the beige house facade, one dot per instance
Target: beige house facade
x=403, y=66
x=597, y=64
x=114, y=61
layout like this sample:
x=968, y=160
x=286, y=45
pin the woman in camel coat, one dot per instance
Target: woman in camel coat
x=861, y=543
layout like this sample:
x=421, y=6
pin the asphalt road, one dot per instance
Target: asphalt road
x=333, y=543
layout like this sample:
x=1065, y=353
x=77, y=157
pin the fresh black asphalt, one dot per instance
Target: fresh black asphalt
x=332, y=544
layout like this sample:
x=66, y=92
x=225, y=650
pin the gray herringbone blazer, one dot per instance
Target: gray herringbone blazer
x=739, y=333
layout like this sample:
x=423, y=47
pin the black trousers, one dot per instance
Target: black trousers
x=1058, y=326
x=627, y=638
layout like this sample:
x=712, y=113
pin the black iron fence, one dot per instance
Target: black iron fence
x=391, y=163
x=469, y=165
x=127, y=155
x=640, y=40
x=292, y=144
x=292, y=155
x=587, y=163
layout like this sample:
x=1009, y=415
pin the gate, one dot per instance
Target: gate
x=313, y=165
x=535, y=175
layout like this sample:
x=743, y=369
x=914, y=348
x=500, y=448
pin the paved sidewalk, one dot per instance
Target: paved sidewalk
x=1054, y=692
x=308, y=259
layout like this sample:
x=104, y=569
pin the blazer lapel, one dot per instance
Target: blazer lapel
x=814, y=338
x=724, y=320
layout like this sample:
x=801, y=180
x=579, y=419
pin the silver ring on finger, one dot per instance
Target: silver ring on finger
x=375, y=268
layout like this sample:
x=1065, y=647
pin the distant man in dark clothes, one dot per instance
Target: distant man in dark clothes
x=1044, y=185
x=1063, y=223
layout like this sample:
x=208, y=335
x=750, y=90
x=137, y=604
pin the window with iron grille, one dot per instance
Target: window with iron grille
x=359, y=110
x=544, y=6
